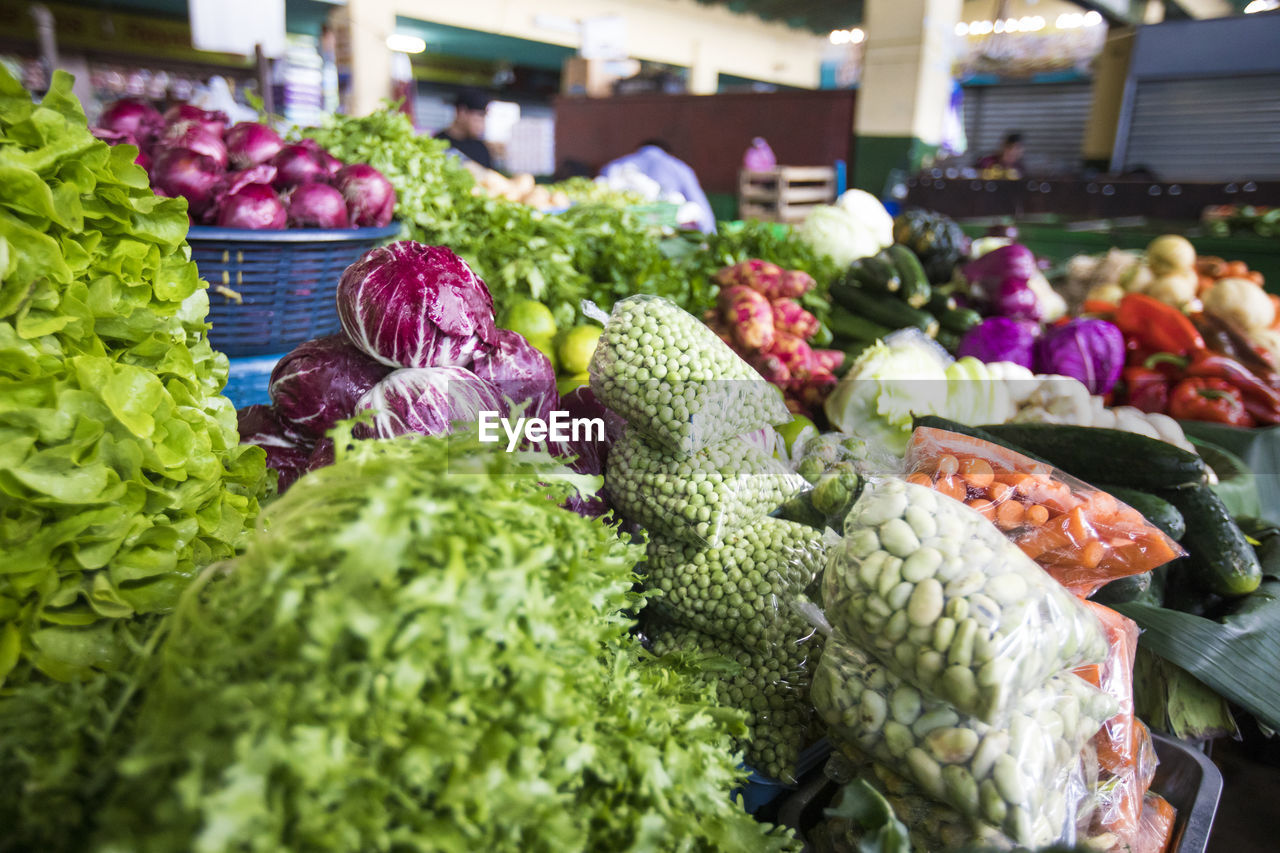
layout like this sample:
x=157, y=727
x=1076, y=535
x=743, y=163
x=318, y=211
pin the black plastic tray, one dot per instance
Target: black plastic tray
x=1185, y=777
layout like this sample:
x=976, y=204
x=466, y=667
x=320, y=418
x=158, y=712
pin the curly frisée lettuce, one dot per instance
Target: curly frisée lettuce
x=120, y=471
x=420, y=650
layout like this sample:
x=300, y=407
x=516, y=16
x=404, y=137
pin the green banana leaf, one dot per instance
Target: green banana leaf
x=1238, y=657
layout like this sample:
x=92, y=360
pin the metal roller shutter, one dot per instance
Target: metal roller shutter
x=1050, y=116
x=1207, y=128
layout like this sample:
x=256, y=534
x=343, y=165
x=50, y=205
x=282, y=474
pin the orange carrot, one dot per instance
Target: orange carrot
x=1256, y=277
x=1037, y=514
x=1235, y=269
x=1092, y=553
x=986, y=507
x=952, y=487
x=947, y=465
x=1009, y=514
x=978, y=472
x=921, y=480
x=1076, y=526
x=1000, y=492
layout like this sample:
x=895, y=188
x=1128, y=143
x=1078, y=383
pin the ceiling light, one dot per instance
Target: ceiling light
x=981, y=28
x=857, y=36
x=1092, y=19
x=405, y=44
x=839, y=37
x=962, y=29
x=1261, y=6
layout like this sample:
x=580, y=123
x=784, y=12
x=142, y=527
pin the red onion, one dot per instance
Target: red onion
x=214, y=122
x=181, y=172
x=141, y=121
x=371, y=200
x=250, y=144
x=197, y=137
x=254, y=206
x=299, y=164
x=316, y=206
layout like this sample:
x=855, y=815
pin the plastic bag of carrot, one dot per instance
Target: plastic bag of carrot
x=1081, y=535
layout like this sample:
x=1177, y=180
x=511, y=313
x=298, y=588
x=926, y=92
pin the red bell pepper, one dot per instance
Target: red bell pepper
x=1146, y=389
x=1208, y=399
x=1261, y=400
x=1157, y=327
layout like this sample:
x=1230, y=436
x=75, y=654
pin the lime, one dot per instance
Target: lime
x=794, y=429
x=565, y=384
x=531, y=319
x=577, y=346
x=545, y=346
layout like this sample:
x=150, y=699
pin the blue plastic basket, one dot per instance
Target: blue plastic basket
x=271, y=290
x=248, y=379
x=761, y=790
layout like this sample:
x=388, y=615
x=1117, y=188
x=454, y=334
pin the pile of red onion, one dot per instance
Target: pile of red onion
x=245, y=175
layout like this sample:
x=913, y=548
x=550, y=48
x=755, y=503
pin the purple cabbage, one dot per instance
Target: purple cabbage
x=1087, y=349
x=299, y=164
x=198, y=138
x=253, y=206
x=316, y=206
x=1015, y=299
x=522, y=373
x=182, y=173
x=371, y=200
x=287, y=452
x=1000, y=339
x=998, y=282
x=212, y=120
x=320, y=382
x=428, y=400
x=412, y=305
x=1012, y=261
x=587, y=456
x=251, y=143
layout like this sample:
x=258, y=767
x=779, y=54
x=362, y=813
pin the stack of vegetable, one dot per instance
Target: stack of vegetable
x=246, y=176
x=856, y=226
x=418, y=348
x=759, y=315
x=1199, y=368
x=521, y=188
x=694, y=469
x=121, y=476
x=1227, y=219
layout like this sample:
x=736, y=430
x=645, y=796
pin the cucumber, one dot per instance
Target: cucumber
x=1266, y=543
x=1219, y=556
x=939, y=302
x=1237, y=485
x=887, y=311
x=1122, y=590
x=915, y=284
x=959, y=320
x=1156, y=510
x=880, y=274
x=1099, y=455
x=973, y=432
x=949, y=341
x=851, y=327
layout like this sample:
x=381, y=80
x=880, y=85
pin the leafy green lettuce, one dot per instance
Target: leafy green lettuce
x=421, y=651
x=120, y=472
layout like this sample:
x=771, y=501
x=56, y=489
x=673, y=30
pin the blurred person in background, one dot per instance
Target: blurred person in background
x=674, y=178
x=466, y=134
x=1007, y=162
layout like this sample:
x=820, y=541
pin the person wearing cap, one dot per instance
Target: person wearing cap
x=466, y=134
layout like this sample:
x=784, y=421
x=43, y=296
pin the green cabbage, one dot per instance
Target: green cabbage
x=840, y=234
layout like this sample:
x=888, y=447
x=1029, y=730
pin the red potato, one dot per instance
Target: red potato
x=794, y=352
x=828, y=360
x=772, y=368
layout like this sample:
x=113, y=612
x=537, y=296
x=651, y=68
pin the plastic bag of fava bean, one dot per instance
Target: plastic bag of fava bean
x=1013, y=775
x=935, y=591
x=674, y=380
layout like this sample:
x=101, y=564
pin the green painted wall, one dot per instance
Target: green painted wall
x=875, y=157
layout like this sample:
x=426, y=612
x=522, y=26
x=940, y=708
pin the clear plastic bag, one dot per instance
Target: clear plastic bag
x=1013, y=776
x=1155, y=826
x=941, y=597
x=742, y=590
x=673, y=379
x=772, y=688
x=1082, y=536
x=701, y=499
x=1125, y=754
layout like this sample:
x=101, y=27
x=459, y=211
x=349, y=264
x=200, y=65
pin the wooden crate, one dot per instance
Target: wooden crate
x=785, y=194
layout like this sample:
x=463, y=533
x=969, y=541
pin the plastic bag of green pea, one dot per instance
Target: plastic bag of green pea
x=1012, y=776
x=700, y=499
x=673, y=379
x=940, y=596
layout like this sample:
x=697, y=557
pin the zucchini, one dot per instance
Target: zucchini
x=973, y=432
x=858, y=275
x=885, y=310
x=1122, y=590
x=1156, y=510
x=959, y=320
x=880, y=274
x=1096, y=455
x=1219, y=556
x=949, y=341
x=915, y=284
x=1266, y=543
x=852, y=327
x=939, y=302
